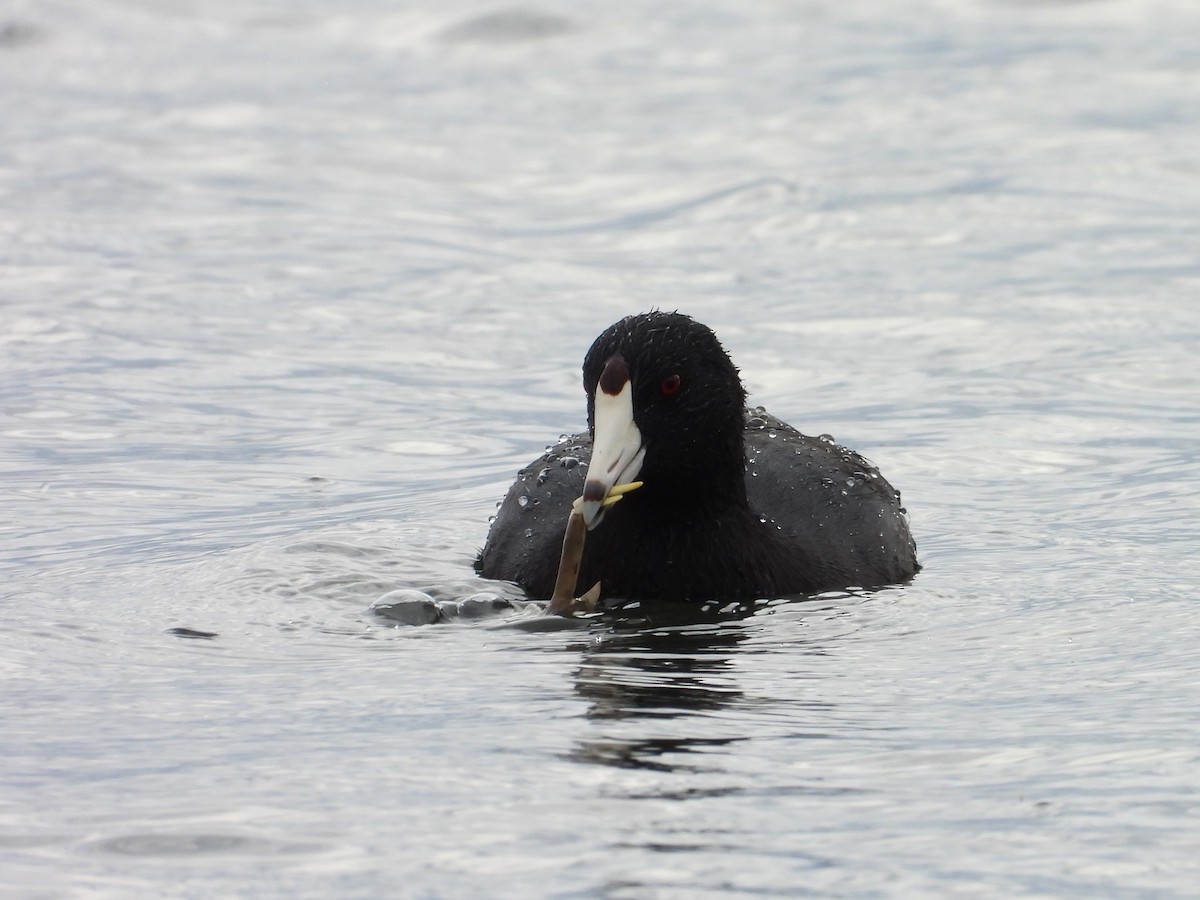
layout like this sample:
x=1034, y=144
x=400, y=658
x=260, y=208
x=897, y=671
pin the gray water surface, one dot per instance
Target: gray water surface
x=289, y=291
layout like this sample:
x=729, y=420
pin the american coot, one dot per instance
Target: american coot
x=735, y=504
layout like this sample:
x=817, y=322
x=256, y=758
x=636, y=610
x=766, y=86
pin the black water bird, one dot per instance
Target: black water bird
x=735, y=504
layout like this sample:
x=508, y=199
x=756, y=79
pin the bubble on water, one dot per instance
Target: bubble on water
x=481, y=605
x=523, y=501
x=408, y=607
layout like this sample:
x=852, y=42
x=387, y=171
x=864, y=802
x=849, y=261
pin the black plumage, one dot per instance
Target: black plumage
x=735, y=503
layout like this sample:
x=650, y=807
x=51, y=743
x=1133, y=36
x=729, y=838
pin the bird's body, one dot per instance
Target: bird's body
x=735, y=504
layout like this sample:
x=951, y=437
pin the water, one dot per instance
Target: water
x=290, y=292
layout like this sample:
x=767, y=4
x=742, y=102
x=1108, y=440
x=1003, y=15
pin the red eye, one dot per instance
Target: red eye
x=669, y=386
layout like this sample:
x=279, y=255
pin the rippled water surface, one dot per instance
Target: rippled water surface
x=288, y=292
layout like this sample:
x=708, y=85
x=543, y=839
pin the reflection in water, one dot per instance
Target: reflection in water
x=664, y=689
x=660, y=673
x=647, y=753
x=650, y=666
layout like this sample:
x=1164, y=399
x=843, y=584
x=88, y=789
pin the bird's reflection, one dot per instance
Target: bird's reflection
x=660, y=663
x=659, y=673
